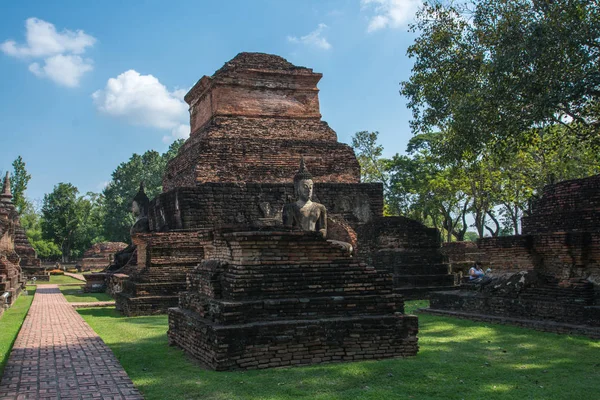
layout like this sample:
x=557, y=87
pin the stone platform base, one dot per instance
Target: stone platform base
x=545, y=326
x=95, y=283
x=292, y=342
x=144, y=305
x=423, y=292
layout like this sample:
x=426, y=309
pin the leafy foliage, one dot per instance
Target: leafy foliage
x=19, y=180
x=498, y=74
x=61, y=217
x=491, y=190
x=117, y=196
x=45, y=249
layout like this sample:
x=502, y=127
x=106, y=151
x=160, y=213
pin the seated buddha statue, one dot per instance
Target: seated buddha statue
x=305, y=213
x=139, y=209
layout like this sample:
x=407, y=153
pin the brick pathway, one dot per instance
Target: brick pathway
x=58, y=356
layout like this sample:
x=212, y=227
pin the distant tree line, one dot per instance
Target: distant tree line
x=67, y=223
x=489, y=193
x=505, y=98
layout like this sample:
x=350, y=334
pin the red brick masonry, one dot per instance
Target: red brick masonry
x=58, y=356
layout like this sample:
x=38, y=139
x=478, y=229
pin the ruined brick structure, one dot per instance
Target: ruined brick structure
x=461, y=256
x=12, y=280
x=251, y=123
x=410, y=251
x=257, y=294
x=100, y=255
x=556, y=262
x=163, y=261
x=274, y=298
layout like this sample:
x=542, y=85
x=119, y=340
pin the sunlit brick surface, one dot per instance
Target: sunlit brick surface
x=58, y=356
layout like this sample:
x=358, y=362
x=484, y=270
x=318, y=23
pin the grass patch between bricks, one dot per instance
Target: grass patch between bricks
x=60, y=280
x=458, y=359
x=75, y=294
x=10, y=324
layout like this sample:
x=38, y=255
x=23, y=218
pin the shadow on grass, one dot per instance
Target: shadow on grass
x=76, y=294
x=458, y=359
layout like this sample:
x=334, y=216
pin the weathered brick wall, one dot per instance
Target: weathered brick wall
x=163, y=261
x=508, y=253
x=11, y=278
x=459, y=252
x=281, y=297
x=95, y=283
x=213, y=204
x=563, y=254
x=407, y=249
x=572, y=205
x=252, y=121
x=540, y=298
x=255, y=84
x=25, y=250
x=461, y=256
x=260, y=160
x=100, y=255
x=293, y=343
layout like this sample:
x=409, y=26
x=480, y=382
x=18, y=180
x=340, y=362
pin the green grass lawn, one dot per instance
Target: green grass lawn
x=458, y=359
x=74, y=294
x=62, y=279
x=10, y=324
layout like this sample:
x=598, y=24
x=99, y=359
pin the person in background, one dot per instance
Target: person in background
x=476, y=274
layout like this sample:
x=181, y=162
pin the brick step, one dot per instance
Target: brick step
x=401, y=281
x=394, y=257
x=423, y=292
x=421, y=269
x=540, y=325
x=231, y=312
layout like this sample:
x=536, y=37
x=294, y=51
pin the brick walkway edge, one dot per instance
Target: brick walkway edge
x=57, y=355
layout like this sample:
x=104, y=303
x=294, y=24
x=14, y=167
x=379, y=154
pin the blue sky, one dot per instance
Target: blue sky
x=84, y=85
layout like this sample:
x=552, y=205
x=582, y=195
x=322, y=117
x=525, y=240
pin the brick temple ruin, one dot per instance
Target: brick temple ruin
x=548, y=278
x=100, y=255
x=251, y=122
x=30, y=264
x=12, y=279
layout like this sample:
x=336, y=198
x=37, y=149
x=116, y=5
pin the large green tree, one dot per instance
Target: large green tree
x=61, y=217
x=117, y=196
x=19, y=180
x=492, y=73
x=45, y=249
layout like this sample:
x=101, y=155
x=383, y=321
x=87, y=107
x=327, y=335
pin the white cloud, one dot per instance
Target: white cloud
x=390, y=13
x=313, y=39
x=43, y=40
x=142, y=100
x=60, y=52
x=65, y=70
x=102, y=185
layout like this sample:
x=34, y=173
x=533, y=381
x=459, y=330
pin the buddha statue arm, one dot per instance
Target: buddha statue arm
x=321, y=225
x=288, y=215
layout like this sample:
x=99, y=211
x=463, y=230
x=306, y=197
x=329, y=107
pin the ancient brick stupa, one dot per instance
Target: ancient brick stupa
x=100, y=255
x=12, y=280
x=29, y=263
x=286, y=295
x=549, y=277
x=252, y=122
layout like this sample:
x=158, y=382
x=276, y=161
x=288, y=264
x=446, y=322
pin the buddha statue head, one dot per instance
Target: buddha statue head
x=303, y=183
x=139, y=206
